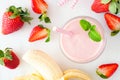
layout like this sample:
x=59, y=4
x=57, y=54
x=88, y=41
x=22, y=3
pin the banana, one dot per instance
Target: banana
x=75, y=73
x=48, y=69
x=34, y=76
x=45, y=65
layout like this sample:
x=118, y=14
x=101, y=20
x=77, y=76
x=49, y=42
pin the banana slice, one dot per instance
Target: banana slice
x=74, y=73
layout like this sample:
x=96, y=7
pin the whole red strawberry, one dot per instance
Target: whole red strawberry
x=106, y=70
x=9, y=59
x=113, y=23
x=13, y=19
x=39, y=32
x=99, y=7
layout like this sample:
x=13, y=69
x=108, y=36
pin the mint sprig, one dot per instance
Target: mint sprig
x=92, y=32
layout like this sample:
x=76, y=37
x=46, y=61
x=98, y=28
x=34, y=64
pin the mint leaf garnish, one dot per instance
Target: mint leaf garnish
x=113, y=33
x=94, y=35
x=85, y=24
x=105, y=1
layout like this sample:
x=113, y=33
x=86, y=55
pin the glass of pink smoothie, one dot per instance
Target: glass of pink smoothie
x=79, y=47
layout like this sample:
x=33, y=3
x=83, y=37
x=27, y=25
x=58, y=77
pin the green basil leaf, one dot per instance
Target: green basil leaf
x=94, y=34
x=105, y=1
x=113, y=7
x=113, y=33
x=85, y=24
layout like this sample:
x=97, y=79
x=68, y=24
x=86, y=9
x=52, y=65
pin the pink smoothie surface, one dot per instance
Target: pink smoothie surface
x=79, y=47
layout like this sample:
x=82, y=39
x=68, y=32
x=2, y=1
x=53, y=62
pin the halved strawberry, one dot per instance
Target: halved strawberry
x=113, y=23
x=39, y=32
x=99, y=7
x=106, y=70
x=14, y=19
x=9, y=59
x=39, y=6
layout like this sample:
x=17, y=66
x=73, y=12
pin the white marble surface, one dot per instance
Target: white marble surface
x=59, y=16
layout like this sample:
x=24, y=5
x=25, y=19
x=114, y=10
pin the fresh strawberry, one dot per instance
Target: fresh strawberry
x=39, y=6
x=99, y=7
x=14, y=19
x=106, y=70
x=39, y=32
x=9, y=59
x=113, y=23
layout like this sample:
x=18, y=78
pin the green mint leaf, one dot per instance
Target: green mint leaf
x=85, y=24
x=1, y=61
x=113, y=33
x=105, y=1
x=113, y=7
x=48, y=39
x=94, y=34
x=1, y=54
x=47, y=20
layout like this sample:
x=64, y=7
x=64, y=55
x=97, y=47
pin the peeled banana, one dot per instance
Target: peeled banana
x=48, y=69
x=42, y=62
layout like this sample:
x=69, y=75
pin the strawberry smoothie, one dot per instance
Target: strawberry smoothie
x=79, y=47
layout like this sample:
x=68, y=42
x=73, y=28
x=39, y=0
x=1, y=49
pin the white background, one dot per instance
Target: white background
x=59, y=16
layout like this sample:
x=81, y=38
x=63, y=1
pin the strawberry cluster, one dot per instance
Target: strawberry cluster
x=112, y=6
x=14, y=18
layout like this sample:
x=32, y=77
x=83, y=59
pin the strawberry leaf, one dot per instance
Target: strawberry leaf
x=48, y=39
x=113, y=33
x=24, y=14
x=1, y=54
x=7, y=54
x=105, y=1
x=100, y=74
x=113, y=7
x=1, y=61
x=44, y=18
x=47, y=20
